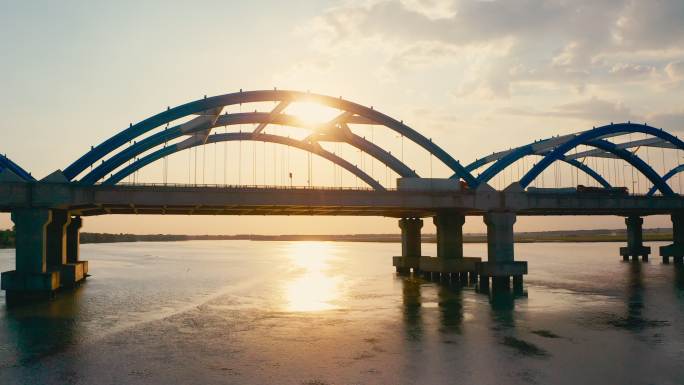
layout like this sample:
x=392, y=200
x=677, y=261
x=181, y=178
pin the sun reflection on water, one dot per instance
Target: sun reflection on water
x=314, y=288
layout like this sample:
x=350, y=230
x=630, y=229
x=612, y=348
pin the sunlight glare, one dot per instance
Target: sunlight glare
x=315, y=289
x=312, y=113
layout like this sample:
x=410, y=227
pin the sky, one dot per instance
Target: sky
x=475, y=76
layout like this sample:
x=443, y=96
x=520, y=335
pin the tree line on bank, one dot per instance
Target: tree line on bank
x=606, y=235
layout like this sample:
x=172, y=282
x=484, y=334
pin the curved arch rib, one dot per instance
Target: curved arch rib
x=6, y=163
x=172, y=133
x=589, y=171
x=592, y=138
x=666, y=177
x=129, y=134
x=237, y=136
x=528, y=150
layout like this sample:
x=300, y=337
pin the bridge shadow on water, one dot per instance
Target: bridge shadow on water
x=636, y=318
x=418, y=315
x=37, y=331
x=450, y=304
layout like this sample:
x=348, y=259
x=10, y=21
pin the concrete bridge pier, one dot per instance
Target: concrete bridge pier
x=46, y=255
x=676, y=249
x=74, y=270
x=63, y=239
x=450, y=261
x=33, y=277
x=635, y=240
x=410, y=246
x=500, y=265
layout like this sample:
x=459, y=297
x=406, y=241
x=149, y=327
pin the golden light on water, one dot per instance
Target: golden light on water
x=315, y=288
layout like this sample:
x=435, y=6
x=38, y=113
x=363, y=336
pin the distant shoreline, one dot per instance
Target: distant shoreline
x=609, y=235
x=578, y=236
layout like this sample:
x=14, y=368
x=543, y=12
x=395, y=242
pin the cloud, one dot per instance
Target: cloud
x=632, y=71
x=567, y=43
x=669, y=121
x=424, y=54
x=655, y=24
x=432, y=9
x=594, y=110
x=675, y=70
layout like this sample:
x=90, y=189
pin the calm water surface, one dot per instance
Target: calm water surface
x=240, y=312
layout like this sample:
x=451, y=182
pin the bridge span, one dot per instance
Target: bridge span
x=628, y=177
x=160, y=199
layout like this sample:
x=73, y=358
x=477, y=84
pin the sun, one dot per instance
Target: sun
x=312, y=113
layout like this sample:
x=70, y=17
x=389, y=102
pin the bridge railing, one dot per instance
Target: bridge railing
x=240, y=186
x=331, y=188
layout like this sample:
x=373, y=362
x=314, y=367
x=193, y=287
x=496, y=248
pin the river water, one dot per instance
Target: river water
x=241, y=312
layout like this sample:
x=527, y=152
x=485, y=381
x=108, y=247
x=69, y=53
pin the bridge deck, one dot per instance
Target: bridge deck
x=234, y=200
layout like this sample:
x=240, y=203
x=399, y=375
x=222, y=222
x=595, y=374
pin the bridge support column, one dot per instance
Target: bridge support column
x=500, y=265
x=635, y=241
x=450, y=260
x=74, y=270
x=55, y=240
x=676, y=249
x=33, y=277
x=410, y=246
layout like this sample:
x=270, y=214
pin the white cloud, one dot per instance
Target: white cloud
x=565, y=42
x=593, y=110
x=675, y=70
x=433, y=9
x=669, y=121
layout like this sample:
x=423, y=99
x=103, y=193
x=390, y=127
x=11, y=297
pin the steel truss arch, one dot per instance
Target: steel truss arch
x=593, y=138
x=7, y=163
x=313, y=148
x=216, y=103
x=522, y=152
x=162, y=137
x=666, y=177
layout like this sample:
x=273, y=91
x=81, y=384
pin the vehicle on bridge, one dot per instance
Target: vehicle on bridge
x=581, y=189
x=607, y=191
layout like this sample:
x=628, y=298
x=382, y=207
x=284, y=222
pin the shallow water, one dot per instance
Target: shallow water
x=214, y=312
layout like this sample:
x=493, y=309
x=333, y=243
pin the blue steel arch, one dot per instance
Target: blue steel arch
x=162, y=137
x=589, y=171
x=100, y=151
x=6, y=163
x=592, y=138
x=244, y=136
x=518, y=154
x=666, y=177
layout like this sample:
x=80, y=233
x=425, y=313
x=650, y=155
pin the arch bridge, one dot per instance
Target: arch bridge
x=48, y=213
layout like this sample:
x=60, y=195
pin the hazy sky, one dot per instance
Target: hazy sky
x=476, y=76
